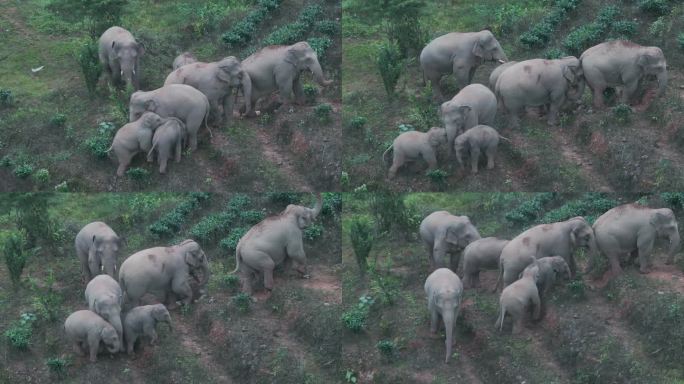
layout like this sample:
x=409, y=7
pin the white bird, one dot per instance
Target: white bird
x=34, y=70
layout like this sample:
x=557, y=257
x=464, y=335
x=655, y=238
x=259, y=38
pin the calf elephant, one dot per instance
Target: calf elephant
x=183, y=59
x=141, y=322
x=476, y=140
x=90, y=333
x=473, y=105
x=551, y=269
x=517, y=298
x=167, y=141
x=460, y=54
x=633, y=228
x=481, y=254
x=133, y=138
x=414, y=144
x=119, y=55
x=621, y=63
x=104, y=297
x=444, y=233
x=97, y=247
x=444, y=289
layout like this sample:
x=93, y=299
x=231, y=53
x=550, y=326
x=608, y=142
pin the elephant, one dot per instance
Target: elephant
x=104, y=297
x=272, y=241
x=516, y=299
x=551, y=269
x=133, y=138
x=460, y=54
x=90, y=333
x=481, y=254
x=475, y=104
x=494, y=76
x=142, y=322
x=163, y=272
x=538, y=83
x=413, y=144
x=555, y=239
x=167, y=140
x=119, y=55
x=174, y=100
x=480, y=138
x=444, y=233
x=97, y=247
x=183, y=59
x=633, y=229
x=218, y=81
x=444, y=289
x=278, y=68
x=622, y=63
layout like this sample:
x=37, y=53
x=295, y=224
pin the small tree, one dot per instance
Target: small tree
x=362, y=241
x=390, y=64
x=90, y=64
x=14, y=250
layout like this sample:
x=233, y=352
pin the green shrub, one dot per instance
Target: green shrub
x=622, y=113
x=554, y=53
x=171, y=222
x=310, y=93
x=322, y=112
x=332, y=203
x=230, y=243
x=42, y=176
x=89, y=61
x=655, y=7
x=625, y=28
x=6, y=97
x=355, y=318
x=242, y=302
x=590, y=206
x=203, y=18
x=296, y=31
x=19, y=333
x=361, y=234
x=98, y=15
x=674, y=199
x=530, y=210
x=320, y=45
x=48, y=303
x=100, y=143
x=577, y=289
x=438, y=177
x=238, y=202
x=6, y=161
x=23, y=170
x=58, y=120
x=326, y=27
x=385, y=287
x=138, y=174
x=541, y=32
x=358, y=122
x=313, y=232
x=390, y=65
x=251, y=217
x=391, y=212
x=590, y=34
x=243, y=31
x=387, y=347
x=62, y=187
x=284, y=198
x=680, y=40
x=57, y=365
x=211, y=226
x=15, y=252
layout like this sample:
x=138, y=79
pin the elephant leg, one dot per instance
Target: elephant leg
x=461, y=73
x=434, y=79
x=79, y=348
x=149, y=331
x=179, y=149
x=397, y=162
x=94, y=266
x=298, y=91
x=193, y=141
x=124, y=162
x=130, y=344
x=431, y=159
x=434, y=321
x=645, y=248
x=629, y=91
x=597, y=91
x=181, y=288
x=215, y=112
x=163, y=160
x=554, y=110
x=476, y=279
x=518, y=325
x=85, y=269
x=93, y=347
x=491, y=154
x=614, y=260
x=228, y=107
x=474, y=158
x=471, y=74
x=285, y=83
x=454, y=261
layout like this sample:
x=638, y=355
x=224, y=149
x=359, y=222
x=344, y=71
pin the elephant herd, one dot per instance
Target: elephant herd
x=115, y=319
x=165, y=119
x=532, y=262
x=514, y=86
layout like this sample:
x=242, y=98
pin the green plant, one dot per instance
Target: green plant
x=58, y=120
x=350, y=376
x=251, y=216
x=284, y=198
x=332, y=203
x=625, y=28
x=387, y=347
x=622, y=113
x=355, y=318
x=540, y=33
x=48, y=303
x=15, y=252
x=310, y=93
x=57, y=365
x=89, y=61
x=242, y=302
x=97, y=15
x=589, y=205
x=211, y=226
x=23, y=170
x=6, y=97
x=358, y=122
x=19, y=333
x=327, y=27
x=230, y=242
x=42, y=176
x=390, y=65
x=313, y=232
x=391, y=212
x=577, y=289
x=361, y=234
x=202, y=18
x=100, y=143
x=320, y=45
x=62, y=187
x=529, y=210
x=680, y=40
x=6, y=161
x=322, y=112
x=171, y=222
x=296, y=31
x=243, y=31
x=554, y=53
x=438, y=176
x=655, y=7
x=385, y=287
x=137, y=174
x=344, y=179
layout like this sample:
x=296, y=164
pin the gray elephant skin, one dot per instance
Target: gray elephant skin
x=494, y=76
x=473, y=105
x=632, y=228
x=551, y=270
x=555, y=239
x=218, y=81
x=104, y=297
x=167, y=142
x=444, y=289
x=183, y=59
x=97, y=247
x=134, y=138
x=174, y=100
x=460, y=54
x=141, y=322
x=621, y=63
x=538, y=82
x=163, y=272
x=444, y=233
x=411, y=145
x=517, y=298
x=272, y=241
x=120, y=55
x=279, y=68
x=475, y=141
x=90, y=334
x=479, y=255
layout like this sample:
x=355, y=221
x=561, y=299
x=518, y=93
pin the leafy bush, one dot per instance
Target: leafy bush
x=100, y=143
x=238, y=202
x=655, y=7
x=387, y=347
x=390, y=65
x=625, y=28
x=438, y=176
x=674, y=199
x=404, y=26
x=322, y=112
x=23, y=170
x=296, y=31
x=58, y=120
x=313, y=232
x=284, y=198
x=6, y=97
x=357, y=122
x=577, y=289
x=48, y=303
x=57, y=365
x=171, y=222
x=361, y=234
x=137, y=174
x=211, y=226
x=251, y=217
x=201, y=19
x=310, y=93
x=680, y=40
x=622, y=113
x=326, y=27
x=6, y=161
x=89, y=61
x=541, y=33
x=529, y=210
x=590, y=34
x=385, y=287
x=554, y=53
x=230, y=243
x=42, y=176
x=391, y=212
x=242, y=302
x=332, y=203
x=320, y=45
x=590, y=205
x=15, y=252
x=355, y=318
x=19, y=333
x=98, y=15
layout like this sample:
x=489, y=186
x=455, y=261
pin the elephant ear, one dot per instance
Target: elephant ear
x=478, y=49
x=223, y=73
x=571, y=73
x=294, y=57
x=150, y=105
x=453, y=234
x=465, y=110
x=660, y=218
x=645, y=59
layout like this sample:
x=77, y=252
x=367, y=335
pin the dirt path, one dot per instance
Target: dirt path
x=189, y=342
x=278, y=157
x=573, y=155
x=325, y=283
x=669, y=274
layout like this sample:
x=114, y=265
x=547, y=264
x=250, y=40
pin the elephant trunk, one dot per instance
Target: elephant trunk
x=319, y=205
x=206, y=273
x=247, y=91
x=318, y=74
x=662, y=83
x=448, y=318
x=109, y=266
x=115, y=320
x=674, y=246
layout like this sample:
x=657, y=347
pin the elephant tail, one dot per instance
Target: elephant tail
x=110, y=148
x=122, y=284
x=237, y=259
x=154, y=145
x=499, y=278
x=502, y=317
x=384, y=154
x=206, y=119
x=505, y=138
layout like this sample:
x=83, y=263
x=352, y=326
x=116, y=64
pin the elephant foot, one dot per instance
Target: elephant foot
x=434, y=335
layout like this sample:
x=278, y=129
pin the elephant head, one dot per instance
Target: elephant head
x=106, y=249
x=461, y=146
x=436, y=136
x=304, y=58
x=127, y=54
x=487, y=48
x=665, y=224
x=574, y=75
x=161, y=314
x=461, y=232
x=304, y=216
x=110, y=338
x=195, y=258
x=140, y=103
x=448, y=302
x=560, y=267
x=652, y=62
x=454, y=117
x=110, y=310
x=581, y=236
x=151, y=120
x=231, y=73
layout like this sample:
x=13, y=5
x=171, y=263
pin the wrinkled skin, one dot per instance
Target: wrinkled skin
x=279, y=68
x=476, y=140
x=411, y=145
x=164, y=272
x=473, y=105
x=460, y=54
x=119, y=55
x=272, y=241
x=494, y=76
x=174, y=100
x=97, y=247
x=90, y=333
x=218, y=81
x=516, y=299
x=624, y=64
x=481, y=254
x=632, y=228
x=444, y=289
x=133, y=138
x=538, y=82
x=555, y=239
x=104, y=297
x=444, y=233
x=183, y=59
x=167, y=141
x=141, y=322
x=551, y=269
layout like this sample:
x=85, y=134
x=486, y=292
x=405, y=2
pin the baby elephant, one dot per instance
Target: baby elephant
x=516, y=298
x=550, y=270
x=410, y=145
x=481, y=254
x=480, y=138
x=142, y=322
x=183, y=59
x=443, y=289
x=133, y=138
x=104, y=297
x=89, y=332
x=168, y=139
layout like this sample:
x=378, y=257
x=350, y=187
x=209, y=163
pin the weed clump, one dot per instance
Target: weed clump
x=358, y=122
x=42, y=176
x=361, y=234
x=171, y=222
x=322, y=112
x=89, y=61
x=387, y=347
x=390, y=65
x=20, y=332
x=100, y=143
x=16, y=254
x=57, y=365
x=541, y=33
x=137, y=174
x=655, y=7
x=230, y=243
x=355, y=318
x=23, y=170
x=622, y=113
x=242, y=302
x=6, y=97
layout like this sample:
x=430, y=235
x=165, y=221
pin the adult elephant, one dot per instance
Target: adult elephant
x=272, y=241
x=163, y=272
x=174, y=100
x=279, y=68
x=97, y=247
x=460, y=54
x=444, y=233
x=538, y=82
x=119, y=55
x=475, y=104
x=218, y=81
x=631, y=228
x=545, y=240
x=622, y=63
